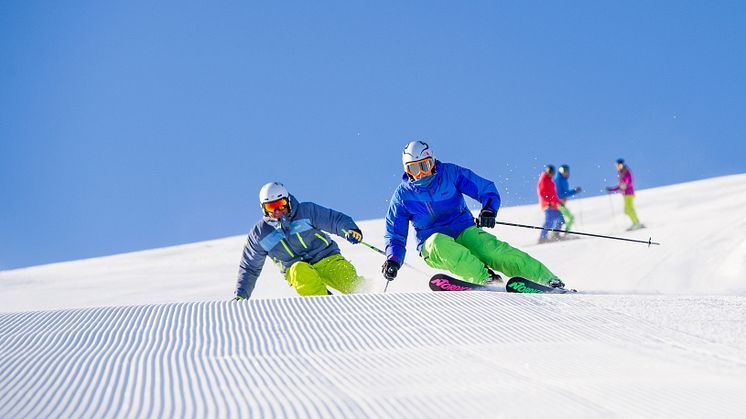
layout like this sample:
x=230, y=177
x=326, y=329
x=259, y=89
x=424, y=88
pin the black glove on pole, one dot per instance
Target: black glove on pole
x=487, y=216
x=390, y=268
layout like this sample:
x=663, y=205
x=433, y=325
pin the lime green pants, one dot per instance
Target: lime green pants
x=334, y=271
x=567, y=215
x=629, y=208
x=467, y=255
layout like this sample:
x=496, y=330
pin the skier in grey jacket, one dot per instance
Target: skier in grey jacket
x=293, y=234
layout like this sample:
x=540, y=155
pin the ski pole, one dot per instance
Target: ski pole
x=370, y=246
x=613, y=211
x=377, y=250
x=649, y=242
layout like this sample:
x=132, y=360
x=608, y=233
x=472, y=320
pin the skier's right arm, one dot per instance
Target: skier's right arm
x=252, y=261
x=563, y=188
x=397, y=229
x=616, y=188
x=621, y=185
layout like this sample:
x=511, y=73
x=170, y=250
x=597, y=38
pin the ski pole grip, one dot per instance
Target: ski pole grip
x=486, y=204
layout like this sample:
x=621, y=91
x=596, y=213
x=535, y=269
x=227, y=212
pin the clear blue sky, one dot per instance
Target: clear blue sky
x=127, y=125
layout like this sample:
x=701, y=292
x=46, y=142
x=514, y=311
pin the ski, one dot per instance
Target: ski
x=443, y=282
x=524, y=286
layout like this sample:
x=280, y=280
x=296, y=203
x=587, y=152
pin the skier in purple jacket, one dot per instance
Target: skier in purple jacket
x=627, y=189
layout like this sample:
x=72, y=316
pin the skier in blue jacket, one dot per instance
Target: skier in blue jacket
x=430, y=197
x=564, y=193
x=293, y=235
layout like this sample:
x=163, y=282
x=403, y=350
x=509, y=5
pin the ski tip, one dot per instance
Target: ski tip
x=522, y=285
x=443, y=282
x=440, y=282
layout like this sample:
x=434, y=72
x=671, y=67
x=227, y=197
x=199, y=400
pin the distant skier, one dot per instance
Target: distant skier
x=430, y=196
x=564, y=193
x=627, y=189
x=292, y=234
x=550, y=204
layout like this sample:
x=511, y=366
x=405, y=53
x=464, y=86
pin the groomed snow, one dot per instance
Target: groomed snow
x=660, y=334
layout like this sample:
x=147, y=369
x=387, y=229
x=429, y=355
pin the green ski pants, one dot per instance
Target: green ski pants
x=334, y=271
x=467, y=255
x=567, y=215
x=629, y=208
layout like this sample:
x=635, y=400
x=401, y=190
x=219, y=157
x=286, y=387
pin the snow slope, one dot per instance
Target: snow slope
x=371, y=355
x=700, y=225
x=662, y=334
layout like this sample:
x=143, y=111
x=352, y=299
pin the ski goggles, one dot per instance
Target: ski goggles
x=279, y=204
x=420, y=168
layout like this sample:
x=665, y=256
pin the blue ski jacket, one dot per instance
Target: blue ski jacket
x=298, y=236
x=563, y=188
x=436, y=208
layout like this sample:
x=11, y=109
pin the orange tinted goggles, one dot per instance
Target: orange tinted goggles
x=280, y=204
x=422, y=167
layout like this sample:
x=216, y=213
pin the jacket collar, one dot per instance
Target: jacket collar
x=422, y=188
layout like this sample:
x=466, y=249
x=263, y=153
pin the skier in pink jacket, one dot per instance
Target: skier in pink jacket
x=627, y=189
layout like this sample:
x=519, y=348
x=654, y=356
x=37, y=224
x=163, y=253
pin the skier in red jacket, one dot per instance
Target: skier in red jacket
x=550, y=203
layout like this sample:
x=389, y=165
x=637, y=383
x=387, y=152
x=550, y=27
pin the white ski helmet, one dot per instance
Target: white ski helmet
x=416, y=151
x=271, y=192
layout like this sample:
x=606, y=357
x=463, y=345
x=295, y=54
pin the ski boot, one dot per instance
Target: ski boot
x=556, y=283
x=636, y=226
x=494, y=277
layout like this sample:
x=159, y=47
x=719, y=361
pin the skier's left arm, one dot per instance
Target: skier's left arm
x=622, y=184
x=334, y=222
x=568, y=193
x=563, y=188
x=477, y=187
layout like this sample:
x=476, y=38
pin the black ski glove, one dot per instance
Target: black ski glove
x=487, y=217
x=390, y=269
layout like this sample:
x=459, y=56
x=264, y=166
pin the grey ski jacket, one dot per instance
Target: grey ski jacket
x=299, y=236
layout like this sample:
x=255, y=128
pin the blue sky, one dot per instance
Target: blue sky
x=130, y=125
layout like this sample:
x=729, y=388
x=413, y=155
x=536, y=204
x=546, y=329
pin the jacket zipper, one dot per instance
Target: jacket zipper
x=429, y=205
x=291, y=250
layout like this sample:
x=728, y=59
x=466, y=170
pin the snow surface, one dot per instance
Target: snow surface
x=660, y=333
